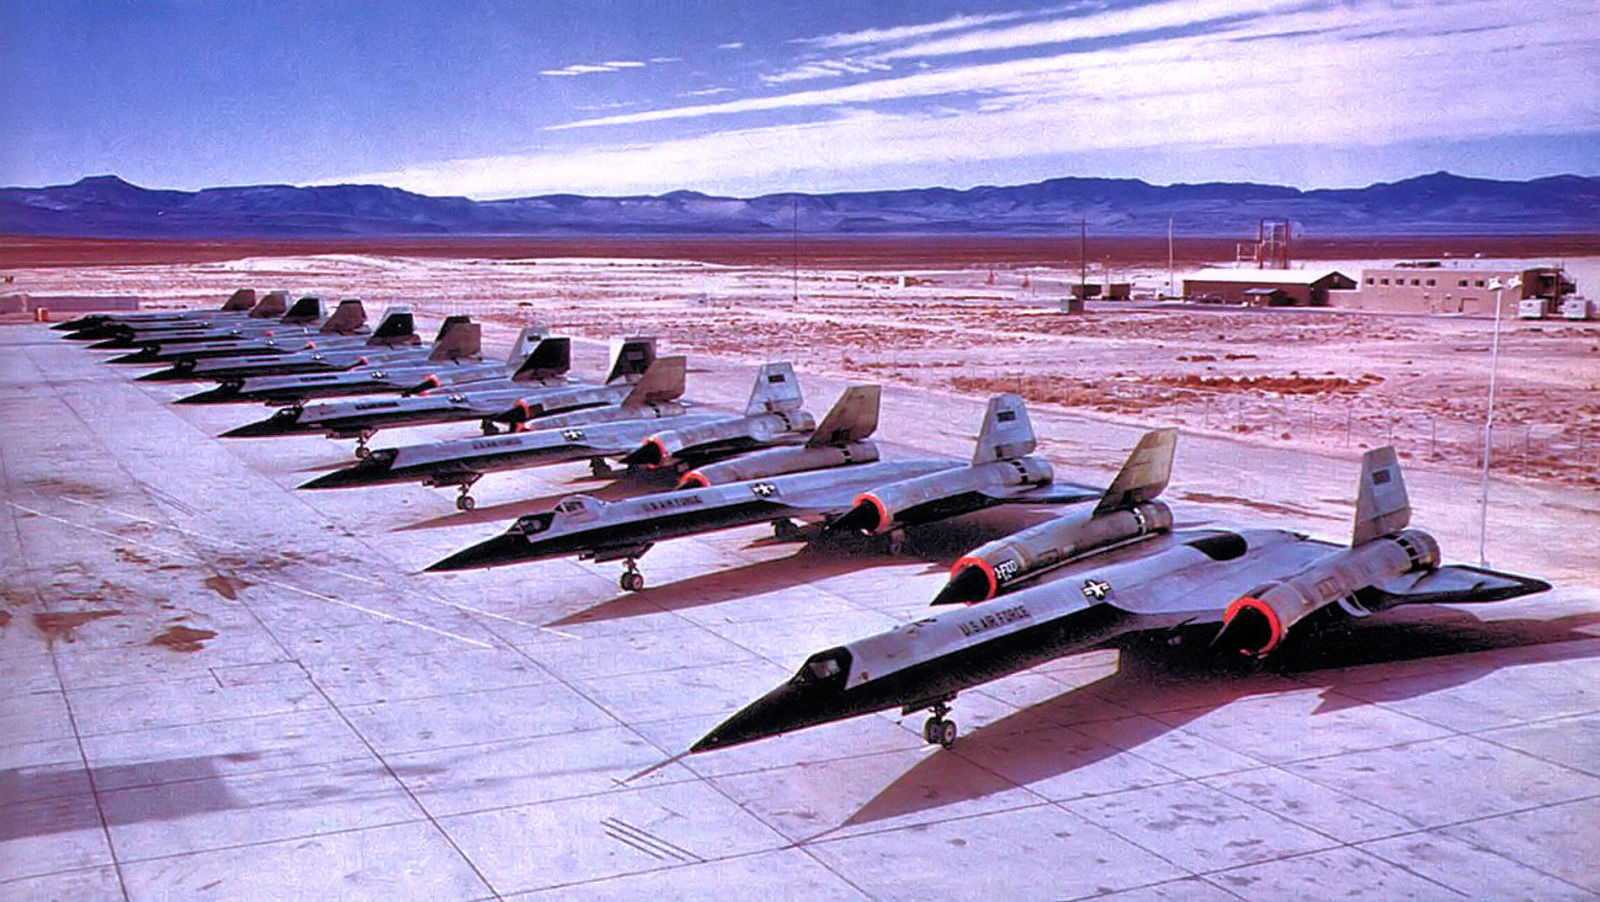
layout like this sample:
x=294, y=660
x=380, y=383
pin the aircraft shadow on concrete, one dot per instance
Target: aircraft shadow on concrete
x=1336, y=660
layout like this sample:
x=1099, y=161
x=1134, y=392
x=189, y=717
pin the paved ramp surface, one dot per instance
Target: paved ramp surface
x=215, y=686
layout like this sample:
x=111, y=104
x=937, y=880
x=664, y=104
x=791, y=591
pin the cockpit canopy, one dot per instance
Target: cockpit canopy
x=824, y=666
x=578, y=508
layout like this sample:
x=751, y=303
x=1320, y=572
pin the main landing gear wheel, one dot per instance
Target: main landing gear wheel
x=598, y=468
x=785, y=530
x=362, y=451
x=489, y=428
x=465, y=501
x=937, y=730
x=632, y=580
x=894, y=543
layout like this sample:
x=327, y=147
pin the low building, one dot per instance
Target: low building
x=1265, y=287
x=1432, y=286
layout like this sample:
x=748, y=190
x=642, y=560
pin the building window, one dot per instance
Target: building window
x=1478, y=284
x=1371, y=280
x=1461, y=284
x=1431, y=283
x=1416, y=281
x=1383, y=281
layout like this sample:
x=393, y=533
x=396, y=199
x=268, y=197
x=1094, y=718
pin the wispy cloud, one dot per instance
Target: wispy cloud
x=593, y=68
x=877, y=36
x=731, y=45
x=1298, y=75
x=826, y=69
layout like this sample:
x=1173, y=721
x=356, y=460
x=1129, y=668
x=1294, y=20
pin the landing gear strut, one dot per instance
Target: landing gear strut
x=632, y=580
x=937, y=730
x=362, y=451
x=599, y=469
x=785, y=530
x=489, y=428
x=465, y=501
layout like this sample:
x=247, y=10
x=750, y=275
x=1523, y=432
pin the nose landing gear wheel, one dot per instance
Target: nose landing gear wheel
x=936, y=730
x=632, y=580
x=465, y=501
x=362, y=451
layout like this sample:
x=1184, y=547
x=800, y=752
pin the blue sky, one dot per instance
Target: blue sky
x=498, y=99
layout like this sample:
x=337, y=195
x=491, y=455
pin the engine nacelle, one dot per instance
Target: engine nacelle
x=669, y=446
x=1257, y=621
x=776, y=462
x=983, y=572
x=939, y=495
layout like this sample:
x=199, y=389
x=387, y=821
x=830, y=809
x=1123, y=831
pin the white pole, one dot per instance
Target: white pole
x=1488, y=426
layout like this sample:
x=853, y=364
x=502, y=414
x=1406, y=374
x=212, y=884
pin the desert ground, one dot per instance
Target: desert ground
x=215, y=684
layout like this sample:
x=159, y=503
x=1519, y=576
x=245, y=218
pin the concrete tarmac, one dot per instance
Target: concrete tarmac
x=214, y=686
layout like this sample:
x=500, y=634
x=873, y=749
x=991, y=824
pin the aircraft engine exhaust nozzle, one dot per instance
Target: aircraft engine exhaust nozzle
x=1257, y=622
x=987, y=570
x=867, y=515
x=649, y=455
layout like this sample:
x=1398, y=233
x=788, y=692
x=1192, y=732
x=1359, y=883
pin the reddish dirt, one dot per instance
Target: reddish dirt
x=5, y=618
x=63, y=625
x=183, y=638
x=777, y=252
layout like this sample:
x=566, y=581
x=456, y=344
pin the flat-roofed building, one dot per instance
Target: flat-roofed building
x=1265, y=287
x=1432, y=286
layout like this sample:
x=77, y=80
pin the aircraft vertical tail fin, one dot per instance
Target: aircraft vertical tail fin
x=1144, y=475
x=854, y=417
x=1382, y=506
x=663, y=381
x=527, y=340
x=242, y=299
x=631, y=358
x=450, y=323
x=347, y=318
x=272, y=305
x=461, y=341
x=306, y=310
x=398, y=326
x=550, y=358
x=1007, y=432
x=777, y=390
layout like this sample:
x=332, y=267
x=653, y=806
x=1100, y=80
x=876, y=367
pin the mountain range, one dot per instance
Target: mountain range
x=1437, y=204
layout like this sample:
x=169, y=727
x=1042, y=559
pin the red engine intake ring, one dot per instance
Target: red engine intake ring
x=661, y=452
x=983, y=566
x=883, y=511
x=694, y=479
x=1274, y=625
x=524, y=413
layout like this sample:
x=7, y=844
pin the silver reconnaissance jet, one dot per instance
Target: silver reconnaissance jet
x=455, y=358
x=1245, y=590
x=531, y=393
x=303, y=318
x=275, y=355
x=624, y=530
x=599, y=432
x=96, y=326
x=296, y=326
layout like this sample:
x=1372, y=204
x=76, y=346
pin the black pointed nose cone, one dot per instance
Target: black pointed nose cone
x=109, y=344
x=788, y=707
x=260, y=428
x=170, y=374
x=135, y=358
x=508, y=548
x=222, y=394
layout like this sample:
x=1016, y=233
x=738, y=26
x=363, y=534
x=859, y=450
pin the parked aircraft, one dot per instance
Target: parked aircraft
x=455, y=361
x=593, y=434
x=1244, y=590
x=625, y=530
x=539, y=390
x=95, y=326
x=271, y=317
